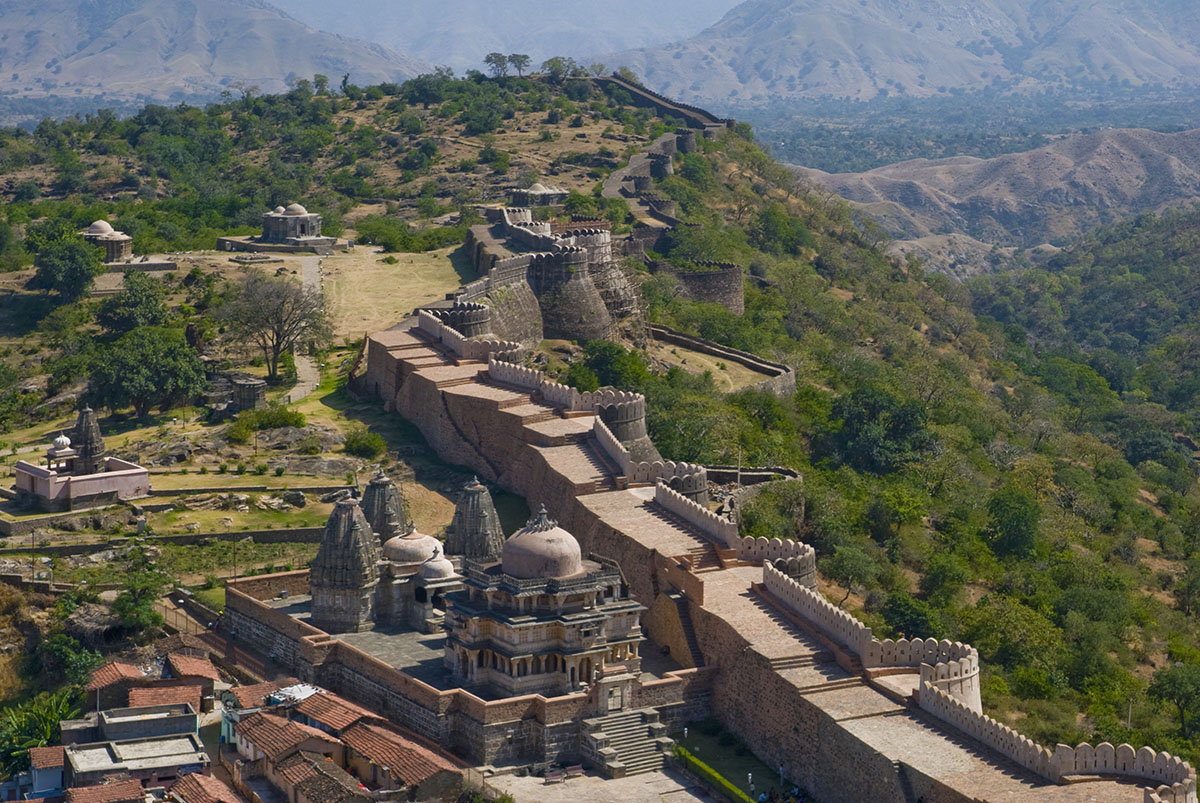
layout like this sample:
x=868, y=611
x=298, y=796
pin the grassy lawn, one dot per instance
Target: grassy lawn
x=220, y=558
x=212, y=597
x=176, y=480
x=314, y=514
x=726, y=754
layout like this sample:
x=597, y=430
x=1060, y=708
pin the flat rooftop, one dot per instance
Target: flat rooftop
x=136, y=755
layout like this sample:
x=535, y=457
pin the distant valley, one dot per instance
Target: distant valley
x=952, y=211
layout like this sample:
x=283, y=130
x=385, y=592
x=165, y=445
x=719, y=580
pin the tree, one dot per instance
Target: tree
x=141, y=303
x=1013, y=517
x=1187, y=587
x=34, y=724
x=497, y=63
x=1179, y=685
x=68, y=266
x=519, y=62
x=848, y=566
x=597, y=68
x=877, y=431
x=558, y=68
x=63, y=657
x=628, y=75
x=144, y=586
x=143, y=368
x=278, y=314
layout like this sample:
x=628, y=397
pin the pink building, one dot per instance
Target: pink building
x=79, y=476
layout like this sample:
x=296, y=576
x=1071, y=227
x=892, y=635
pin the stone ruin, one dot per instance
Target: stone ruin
x=231, y=392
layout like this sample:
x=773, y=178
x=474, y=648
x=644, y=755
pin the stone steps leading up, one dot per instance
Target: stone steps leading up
x=798, y=661
x=689, y=630
x=633, y=739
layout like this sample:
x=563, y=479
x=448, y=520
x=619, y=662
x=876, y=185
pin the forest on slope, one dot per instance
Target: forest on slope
x=960, y=478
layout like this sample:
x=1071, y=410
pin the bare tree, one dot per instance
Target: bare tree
x=277, y=313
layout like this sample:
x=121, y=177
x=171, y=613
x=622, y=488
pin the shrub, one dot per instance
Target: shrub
x=250, y=421
x=222, y=469
x=241, y=469
x=260, y=469
x=278, y=471
x=711, y=776
x=363, y=443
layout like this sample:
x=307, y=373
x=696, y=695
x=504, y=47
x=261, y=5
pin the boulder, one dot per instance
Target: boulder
x=295, y=498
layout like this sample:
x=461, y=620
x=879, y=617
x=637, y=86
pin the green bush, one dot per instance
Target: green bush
x=363, y=443
x=250, y=421
x=261, y=469
x=278, y=471
x=711, y=776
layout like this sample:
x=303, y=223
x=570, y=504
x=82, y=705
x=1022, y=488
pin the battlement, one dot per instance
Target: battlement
x=463, y=347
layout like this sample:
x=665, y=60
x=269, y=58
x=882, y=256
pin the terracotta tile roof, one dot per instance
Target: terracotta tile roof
x=129, y=791
x=252, y=696
x=330, y=783
x=274, y=736
x=198, y=788
x=44, y=758
x=412, y=762
x=295, y=768
x=162, y=694
x=332, y=711
x=189, y=666
x=112, y=673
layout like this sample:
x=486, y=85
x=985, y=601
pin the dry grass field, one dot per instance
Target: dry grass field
x=729, y=376
x=365, y=294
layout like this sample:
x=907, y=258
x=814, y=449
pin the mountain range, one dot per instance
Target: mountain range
x=953, y=211
x=769, y=51
x=173, y=49
x=458, y=33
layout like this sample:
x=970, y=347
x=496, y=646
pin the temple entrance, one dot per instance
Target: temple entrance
x=615, y=699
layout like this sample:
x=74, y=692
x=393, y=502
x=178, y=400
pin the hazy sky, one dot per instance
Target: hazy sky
x=458, y=33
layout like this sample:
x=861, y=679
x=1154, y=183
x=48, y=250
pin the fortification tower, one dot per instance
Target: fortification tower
x=87, y=442
x=626, y=419
x=467, y=318
x=383, y=507
x=345, y=572
x=475, y=531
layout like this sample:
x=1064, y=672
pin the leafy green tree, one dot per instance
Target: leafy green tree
x=144, y=586
x=519, y=62
x=143, y=368
x=497, y=63
x=850, y=567
x=1013, y=518
x=64, y=658
x=614, y=365
x=558, y=68
x=1179, y=685
x=877, y=432
x=1011, y=634
x=912, y=617
x=1187, y=587
x=142, y=302
x=68, y=267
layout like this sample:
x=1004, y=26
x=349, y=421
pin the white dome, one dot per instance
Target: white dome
x=279, y=210
x=62, y=442
x=541, y=550
x=100, y=227
x=295, y=209
x=412, y=547
x=539, y=187
x=438, y=568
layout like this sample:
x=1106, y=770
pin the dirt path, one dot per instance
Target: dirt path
x=308, y=376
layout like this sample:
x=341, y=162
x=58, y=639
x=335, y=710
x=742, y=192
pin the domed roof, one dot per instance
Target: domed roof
x=541, y=549
x=100, y=227
x=412, y=547
x=295, y=209
x=62, y=442
x=539, y=187
x=438, y=568
x=279, y=210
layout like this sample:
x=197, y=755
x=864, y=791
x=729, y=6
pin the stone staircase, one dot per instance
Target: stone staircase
x=627, y=742
x=704, y=559
x=685, y=624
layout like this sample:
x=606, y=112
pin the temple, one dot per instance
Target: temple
x=78, y=474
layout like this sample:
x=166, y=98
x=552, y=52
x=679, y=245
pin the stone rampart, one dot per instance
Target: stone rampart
x=688, y=475
x=796, y=559
x=722, y=531
x=271, y=586
x=720, y=283
x=780, y=378
x=463, y=347
x=694, y=116
x=832, y=621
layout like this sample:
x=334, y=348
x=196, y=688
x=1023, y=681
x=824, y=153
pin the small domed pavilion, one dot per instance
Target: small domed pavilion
x=117, y=245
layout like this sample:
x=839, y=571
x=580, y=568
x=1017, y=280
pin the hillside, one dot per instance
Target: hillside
x=959, y=480
x=164, y=49
x=767, y=51
x=458, y=33
x=1051, y=194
